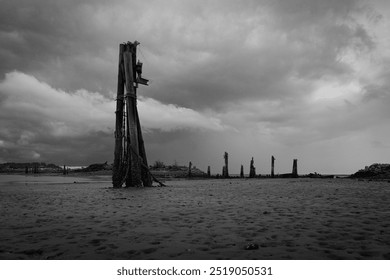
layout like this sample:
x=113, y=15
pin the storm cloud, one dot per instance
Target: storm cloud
x=297, y=78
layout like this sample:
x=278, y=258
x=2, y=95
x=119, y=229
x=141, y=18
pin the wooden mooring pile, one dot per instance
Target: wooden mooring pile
x=130, y=162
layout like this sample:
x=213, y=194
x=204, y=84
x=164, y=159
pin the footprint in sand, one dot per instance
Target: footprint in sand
x=96, y=242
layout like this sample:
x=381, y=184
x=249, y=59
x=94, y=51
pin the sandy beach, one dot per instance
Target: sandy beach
x=84, y=218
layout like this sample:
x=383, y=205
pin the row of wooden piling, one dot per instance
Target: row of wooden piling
x=252, y=169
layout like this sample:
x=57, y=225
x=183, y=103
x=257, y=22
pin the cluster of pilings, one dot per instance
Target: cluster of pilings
x=33, y=170
x=65, y=170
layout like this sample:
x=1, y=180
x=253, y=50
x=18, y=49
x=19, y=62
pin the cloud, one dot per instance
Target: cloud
x=199, y=55
x=302, y=73
x=168, y=117
x=35, y=115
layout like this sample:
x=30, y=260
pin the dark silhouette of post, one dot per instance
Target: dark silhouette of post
x=120, y=168
x=134, y=178
x=130, y=163
x=272, y=166
x=189, y=169
x=295, y=168
x=225, y=170
x=252, y=169
x=242, y=171
x=208, y=171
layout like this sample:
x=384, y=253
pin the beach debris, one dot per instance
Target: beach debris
x=252, y=169
x=251, y=246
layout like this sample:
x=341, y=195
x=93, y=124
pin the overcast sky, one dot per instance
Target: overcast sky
x=305, y=79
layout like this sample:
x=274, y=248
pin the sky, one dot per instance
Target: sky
x=304, y=79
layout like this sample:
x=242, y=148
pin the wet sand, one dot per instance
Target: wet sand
x=84, y=218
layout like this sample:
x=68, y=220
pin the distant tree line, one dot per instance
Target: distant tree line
x=21, y=165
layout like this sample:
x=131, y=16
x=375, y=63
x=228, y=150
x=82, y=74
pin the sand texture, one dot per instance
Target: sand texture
x=76, y=218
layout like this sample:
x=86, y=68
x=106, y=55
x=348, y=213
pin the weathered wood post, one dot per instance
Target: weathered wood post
x=64, y=171
x=119, y=167
x=226, y=167
x=130, y=163
x=272, y=166
x=134, y=180
x=208, y=171
x=295, y=168
x=26, y=169
x=242, y=171
x=189, y=169
x=252, y=170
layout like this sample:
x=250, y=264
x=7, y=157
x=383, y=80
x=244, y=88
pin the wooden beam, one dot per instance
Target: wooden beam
x=118, y=152
x=134, y=177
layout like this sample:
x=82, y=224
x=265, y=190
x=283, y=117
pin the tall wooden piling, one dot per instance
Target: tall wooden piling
x=119, y=167
x=130, y=163
x=131, y=110
x=272, y=166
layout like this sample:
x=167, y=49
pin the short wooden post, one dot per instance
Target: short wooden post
x=252, y=170
x=226, y=169
x=295, y=168
x=189, y=169
x=272, y=166
x=208, y=171
x=242, y=171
